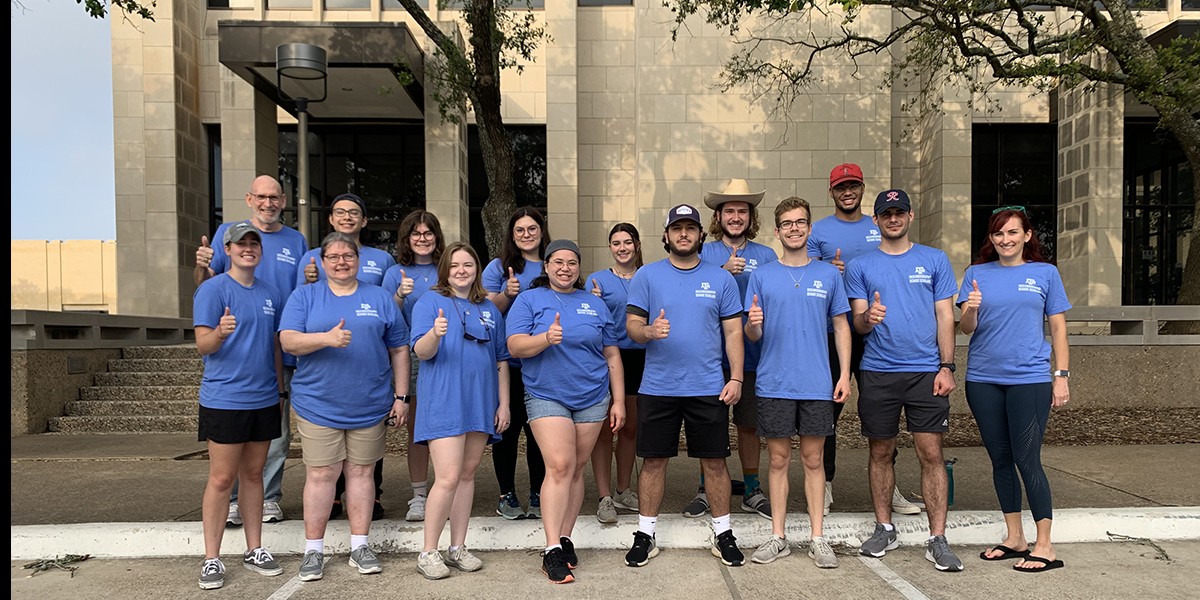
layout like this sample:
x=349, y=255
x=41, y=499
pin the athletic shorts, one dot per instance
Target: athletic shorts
x=537, y=408
x=224, y=426
x=634, y=362
x=882, y=395
x=705, y=420
x=323, y=446
x=784, y=418
x=745, y=412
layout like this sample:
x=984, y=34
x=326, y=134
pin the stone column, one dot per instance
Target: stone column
x=1091, y=155
x=161, y=163
x=249, y=143
x=562, y=150
x=446, y=191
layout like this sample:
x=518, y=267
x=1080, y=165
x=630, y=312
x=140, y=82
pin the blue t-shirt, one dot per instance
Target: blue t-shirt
x=796, y=303
x=575, y=372
x=697, y=300
x=280, y=261
x=495, y=278
x=1009, y=345
x=241, y=374
x=372, y=264
x=908, y=284
x=345, y=388
x=459, y=387
x=854, y=240
x=756, y=256
x=614, y=291
x=424, y=278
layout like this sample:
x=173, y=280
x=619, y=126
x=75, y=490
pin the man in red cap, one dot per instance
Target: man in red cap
x=838, y=239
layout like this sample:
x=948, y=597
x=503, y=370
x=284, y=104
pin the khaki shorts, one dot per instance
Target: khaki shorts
x=324, y=446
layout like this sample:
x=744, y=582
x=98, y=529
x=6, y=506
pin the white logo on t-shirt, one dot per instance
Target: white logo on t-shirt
x=585, y=309
x=269, y=308
x=920, y=277
x=285, y=255
x=705, y=291
x=287, y=251
x=817, y=284
x=817, y=290
x=365, y=310
x=874, y=236
x=1030, y=285
x=372, y=268
x=486, y=315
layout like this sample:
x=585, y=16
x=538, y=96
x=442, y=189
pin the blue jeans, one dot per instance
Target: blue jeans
x=277, y=452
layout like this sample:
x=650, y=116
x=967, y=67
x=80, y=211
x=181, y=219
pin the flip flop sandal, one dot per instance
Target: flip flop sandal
x=1008, y=553
x=1050, y=564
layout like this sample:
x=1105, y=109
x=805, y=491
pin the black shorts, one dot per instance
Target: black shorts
x=239, y=426
x=784, y=418
x=705, y=421
x=745, y=412
x=856, y=353
x=634, y=362
x=882, y=395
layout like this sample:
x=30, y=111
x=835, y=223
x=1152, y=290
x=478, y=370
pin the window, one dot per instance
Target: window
x=384, y=164
x=216, y=214
x=395, y=4
x=1158, y=215
x=605, y=2
x=529, y=175
x=289, y=4
x=219, y=4
x=1014, y=165
x=344, y=4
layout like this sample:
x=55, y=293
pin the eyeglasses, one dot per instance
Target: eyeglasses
x=1004, y=208
x=558, y=264
x=337, y=258
x=341, y=212
x=267, y=198
x=418, y=235
x=523, y=231
x=798, y=224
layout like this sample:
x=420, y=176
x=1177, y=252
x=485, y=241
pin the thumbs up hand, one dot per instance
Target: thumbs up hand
x=877, y=311
x=554, y=334
x=441, y=324
x=227, y=325
x=661, y=327
x=338, y=336
x=310, y=270
x=974, y=298
x=596, y=289
x=406, y=284
x=735, y=264
x=837, y=261
x=204, y=254
x=514, y=285
x=756, y=313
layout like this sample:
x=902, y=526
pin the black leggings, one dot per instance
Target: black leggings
x=504, y=452
x=341, y=482
x=1012, y=421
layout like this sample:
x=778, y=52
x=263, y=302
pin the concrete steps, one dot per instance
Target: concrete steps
x=148, y=389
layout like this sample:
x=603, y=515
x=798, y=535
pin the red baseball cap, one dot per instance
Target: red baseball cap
x=845, y=172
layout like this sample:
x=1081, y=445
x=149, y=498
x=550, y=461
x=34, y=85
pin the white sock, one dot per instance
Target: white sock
x=549, y=548
x=357, y=540
x=454, y=548
x=318, y=545
x=720, y=524
x=419, y=488
x=646, y=524
x=888, y=526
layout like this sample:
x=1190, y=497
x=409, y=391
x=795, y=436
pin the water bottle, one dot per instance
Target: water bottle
x=950, y=479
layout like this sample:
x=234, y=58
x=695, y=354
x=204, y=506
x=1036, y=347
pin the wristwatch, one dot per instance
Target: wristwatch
x=401, y=397
x=285, y=395
x=947, y=366
x=1062, y=373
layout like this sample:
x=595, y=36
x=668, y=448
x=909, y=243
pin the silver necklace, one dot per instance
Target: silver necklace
x=788, y=269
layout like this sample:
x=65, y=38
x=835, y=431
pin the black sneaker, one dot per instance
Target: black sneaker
x=644, y=548
x=569, y=552
x=725, y=548
x=377, y=512
x=336, y=510
x=554, y=565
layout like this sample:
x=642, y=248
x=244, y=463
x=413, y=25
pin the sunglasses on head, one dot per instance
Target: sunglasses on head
x=1004, y=208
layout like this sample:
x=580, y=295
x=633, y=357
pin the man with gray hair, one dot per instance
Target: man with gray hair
x=282, y=248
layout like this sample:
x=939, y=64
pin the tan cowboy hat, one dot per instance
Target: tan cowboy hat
x=737, y=190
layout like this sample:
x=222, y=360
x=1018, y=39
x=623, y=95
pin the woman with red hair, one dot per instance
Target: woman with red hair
x=1007, y=295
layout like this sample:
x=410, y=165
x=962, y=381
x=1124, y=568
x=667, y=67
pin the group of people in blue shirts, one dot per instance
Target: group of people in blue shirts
x=614, y=364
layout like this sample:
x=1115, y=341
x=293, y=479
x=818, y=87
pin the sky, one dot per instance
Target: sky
x=61, y=174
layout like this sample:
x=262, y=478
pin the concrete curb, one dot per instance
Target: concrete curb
x=175, y=539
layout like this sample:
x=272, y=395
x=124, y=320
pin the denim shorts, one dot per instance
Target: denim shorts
x=538, y=408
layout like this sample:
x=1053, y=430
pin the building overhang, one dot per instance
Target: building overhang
x=363, y=61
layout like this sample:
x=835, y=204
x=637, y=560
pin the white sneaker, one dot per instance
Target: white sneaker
x=235, y=517
x=828, y=496
x=901, y=505
x=432, y=566
x=416, y=509
x=272, y=513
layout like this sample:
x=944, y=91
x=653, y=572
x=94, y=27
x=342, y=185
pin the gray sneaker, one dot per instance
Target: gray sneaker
x=431, y=565
x=261, y=561
x=363, y=559
x=235, y=516
x=509, y=507
x=627, y=500
x=774, y=548
x=697, y=507
x=607, y=511
x=756, y=502
x=271, y=512
x=937, y=551
x=880, y=542
x=312, y=566
x=462, y=559
x=821, y=553
x=212, y=574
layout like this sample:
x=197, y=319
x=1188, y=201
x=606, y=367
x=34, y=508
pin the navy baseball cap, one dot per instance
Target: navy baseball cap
x=682, y=212
x=892, y=199
x=239, y=230
x=353, y=198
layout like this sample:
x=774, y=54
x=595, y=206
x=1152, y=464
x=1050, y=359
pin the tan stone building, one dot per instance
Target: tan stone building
x=613, y=123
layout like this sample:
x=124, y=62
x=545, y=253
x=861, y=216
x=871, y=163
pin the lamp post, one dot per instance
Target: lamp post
x=301, y=62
